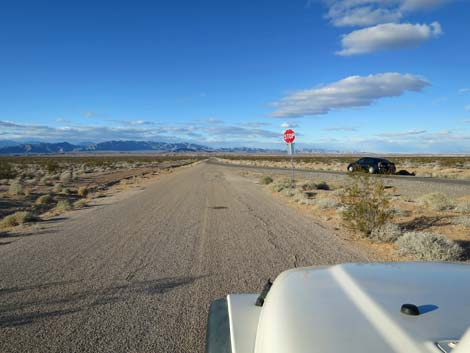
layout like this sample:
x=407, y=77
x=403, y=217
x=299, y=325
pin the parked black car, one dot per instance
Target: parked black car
x=372, y=166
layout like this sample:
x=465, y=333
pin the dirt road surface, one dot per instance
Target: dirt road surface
x=138, y=275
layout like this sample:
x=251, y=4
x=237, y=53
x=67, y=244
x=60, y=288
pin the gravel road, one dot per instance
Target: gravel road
x=138, y=274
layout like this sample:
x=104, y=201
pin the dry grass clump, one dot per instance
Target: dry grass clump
x=436, y=201
x=65, y=191
x=281, y=184
x=80, y=203
x=44, y=200
x=66, y=177
x=63, y=205
x=266, y=180
x=16, y=188
x=367, y=205
x=82, y=191
x=388, y=233
x=57, y=188
x=16, y=219
x=428, y=247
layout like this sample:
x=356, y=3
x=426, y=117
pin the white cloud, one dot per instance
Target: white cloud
x=140, y=132
x=388, y=36
x=62, y=120
x=287, y=125
x=467, y=107
x=340, y=128
x=353, y=91
x=255, y=123
x=402, y=133
x=210, y=121
x=464, y=90
x=371, y=12
x=135, y=122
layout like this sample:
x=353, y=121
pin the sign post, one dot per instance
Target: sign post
x=289, y=138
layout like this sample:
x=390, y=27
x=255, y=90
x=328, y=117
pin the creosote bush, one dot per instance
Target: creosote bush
x=266, y=180
x=436, y=201
x=44, y=200
x=16, y=219
x=80, y=203
x=82, y=191
x=6, y=170
x=366, y=205
x=63, y=205
x=388, y=233
x=281, y=184
x=428, y=247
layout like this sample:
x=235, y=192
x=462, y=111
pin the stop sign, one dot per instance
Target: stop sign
x=289, y=136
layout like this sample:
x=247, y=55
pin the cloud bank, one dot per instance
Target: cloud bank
x=353, y=91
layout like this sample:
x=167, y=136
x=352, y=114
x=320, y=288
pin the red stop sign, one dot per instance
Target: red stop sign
x=289, y=136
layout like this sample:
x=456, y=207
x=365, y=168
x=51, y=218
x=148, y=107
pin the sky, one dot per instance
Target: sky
x=346, y=75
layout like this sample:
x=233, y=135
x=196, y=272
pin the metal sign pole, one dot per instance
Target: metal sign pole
x=291, y=151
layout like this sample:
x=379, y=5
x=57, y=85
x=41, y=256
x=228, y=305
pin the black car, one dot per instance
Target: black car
x=372, y=166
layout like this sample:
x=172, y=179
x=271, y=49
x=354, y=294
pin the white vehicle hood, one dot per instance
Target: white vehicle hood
x=355, y=308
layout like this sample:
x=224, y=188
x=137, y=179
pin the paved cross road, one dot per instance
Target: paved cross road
x=138, y=275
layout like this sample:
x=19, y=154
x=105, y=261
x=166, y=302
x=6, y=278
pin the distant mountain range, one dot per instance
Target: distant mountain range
x=12, y=147
x=109, y=146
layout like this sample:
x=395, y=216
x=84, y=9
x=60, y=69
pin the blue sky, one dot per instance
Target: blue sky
x=363, y=75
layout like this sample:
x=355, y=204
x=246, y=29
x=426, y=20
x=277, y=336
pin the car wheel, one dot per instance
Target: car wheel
x=371, y=170
x=351, y=169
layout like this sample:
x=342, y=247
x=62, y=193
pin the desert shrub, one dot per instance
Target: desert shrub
x=463, y=206
x=66, y=191
x=428, y=247
x=266, y=180
x=281, y=184
x=327, y=203
x=80, y=203
x=44, y=200
x=27, y=191
x=6, y=171
x=82, y=191
x=388, y=233
x=16, y=219
x=52, y=167
x=309, y=186
x=63, y=205
x=57, y=188
x=66, y=177
x=16, y=188
x=436, y=201
x=367, y=206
